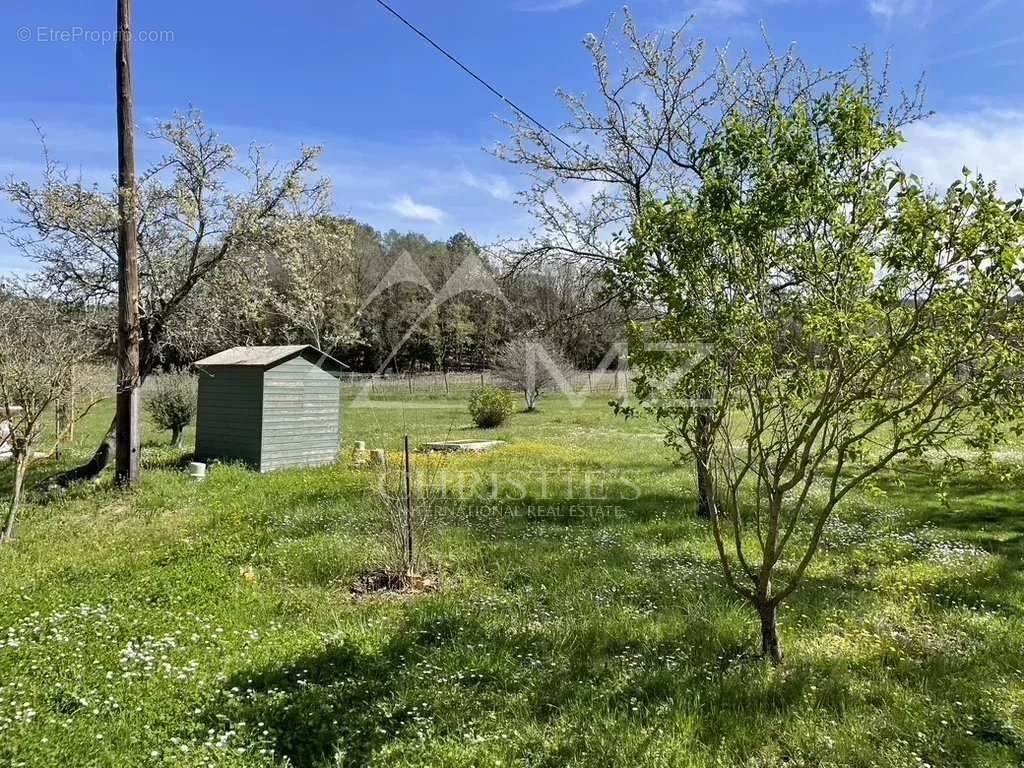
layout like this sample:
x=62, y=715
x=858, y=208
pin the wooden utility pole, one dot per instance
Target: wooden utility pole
x=128, y=434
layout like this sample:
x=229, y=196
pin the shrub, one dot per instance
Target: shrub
x=172, y=404
x=490, y=406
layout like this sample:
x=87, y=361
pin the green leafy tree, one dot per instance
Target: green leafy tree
x=824, y=316
x=172, y=404
x=647, y=129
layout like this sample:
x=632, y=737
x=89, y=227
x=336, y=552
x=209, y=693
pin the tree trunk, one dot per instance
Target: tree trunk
x=704, y=439
x=531, y=400
x=704, y=490
x=771, y=646
x=21, y=464
x=176, y=435
x=94, y=467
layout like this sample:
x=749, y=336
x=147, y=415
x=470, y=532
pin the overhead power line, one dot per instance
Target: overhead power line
x=477, y=77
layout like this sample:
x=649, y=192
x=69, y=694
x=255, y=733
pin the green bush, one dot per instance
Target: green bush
x=171, y=403
x=490, y=406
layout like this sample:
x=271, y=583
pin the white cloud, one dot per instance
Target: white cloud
x=497, y=187
x=988, y=142
x=891, y=9
x=987, y=48
x=409, y=209
x=722, y=9
x=553, y=6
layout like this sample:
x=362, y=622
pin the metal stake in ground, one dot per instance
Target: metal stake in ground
x=408, y=509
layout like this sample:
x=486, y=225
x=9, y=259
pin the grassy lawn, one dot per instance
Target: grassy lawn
x=582, y=621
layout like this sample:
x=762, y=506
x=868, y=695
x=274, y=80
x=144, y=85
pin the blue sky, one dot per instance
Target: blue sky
x=405, y=132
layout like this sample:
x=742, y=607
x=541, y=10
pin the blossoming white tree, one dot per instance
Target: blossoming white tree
x=42, y=352
x=192, y=224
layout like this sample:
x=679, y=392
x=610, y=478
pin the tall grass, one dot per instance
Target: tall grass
x=582, y=621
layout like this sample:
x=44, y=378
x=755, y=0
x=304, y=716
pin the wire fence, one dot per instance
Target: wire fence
x=464, y=382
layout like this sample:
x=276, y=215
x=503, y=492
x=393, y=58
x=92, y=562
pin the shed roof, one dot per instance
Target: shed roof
x=264, y=357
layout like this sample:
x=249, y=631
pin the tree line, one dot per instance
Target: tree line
x=393, y=303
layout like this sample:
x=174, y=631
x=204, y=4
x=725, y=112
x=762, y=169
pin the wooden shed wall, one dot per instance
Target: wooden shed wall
x=301, y=415
x=230, y=414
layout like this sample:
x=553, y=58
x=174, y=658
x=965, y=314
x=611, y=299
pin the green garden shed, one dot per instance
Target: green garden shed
x=269, y=407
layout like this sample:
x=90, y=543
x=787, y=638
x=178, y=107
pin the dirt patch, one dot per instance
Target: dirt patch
x=384, y=583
